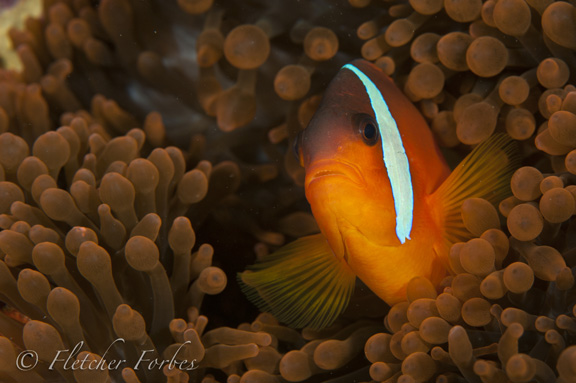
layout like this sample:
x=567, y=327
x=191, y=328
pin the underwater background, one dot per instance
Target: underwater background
x=146, y=158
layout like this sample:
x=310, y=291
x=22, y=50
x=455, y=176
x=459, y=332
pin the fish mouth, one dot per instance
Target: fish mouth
x=332, y=168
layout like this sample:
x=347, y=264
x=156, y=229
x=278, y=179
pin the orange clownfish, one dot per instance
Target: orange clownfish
x=387, y=205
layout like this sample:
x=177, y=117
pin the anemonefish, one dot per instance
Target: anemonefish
x=387, y=205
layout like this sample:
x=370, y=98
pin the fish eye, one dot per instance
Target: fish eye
x=368, y=130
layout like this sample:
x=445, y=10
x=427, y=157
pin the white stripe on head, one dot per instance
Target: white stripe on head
x=395, y=158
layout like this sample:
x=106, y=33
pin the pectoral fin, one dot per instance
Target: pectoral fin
x=484, y=173
x=303, y=284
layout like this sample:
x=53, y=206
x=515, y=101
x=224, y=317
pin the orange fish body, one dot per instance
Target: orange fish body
x=387, y=205
x=355, y=211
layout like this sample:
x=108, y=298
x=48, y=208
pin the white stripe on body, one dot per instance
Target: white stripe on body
x=395, y=158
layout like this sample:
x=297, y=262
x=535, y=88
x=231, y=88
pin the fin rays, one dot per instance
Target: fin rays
x=484, y=173
x=303, y=284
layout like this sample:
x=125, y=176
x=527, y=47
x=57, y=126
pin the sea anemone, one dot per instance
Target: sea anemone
x=146, y=157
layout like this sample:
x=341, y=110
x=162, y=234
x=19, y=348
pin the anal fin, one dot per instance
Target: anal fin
x=303, y=284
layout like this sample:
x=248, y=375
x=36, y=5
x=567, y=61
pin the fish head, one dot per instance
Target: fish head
x=346, y=182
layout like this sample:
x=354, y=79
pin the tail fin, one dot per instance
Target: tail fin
x=484, y=173
x=303, y=284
